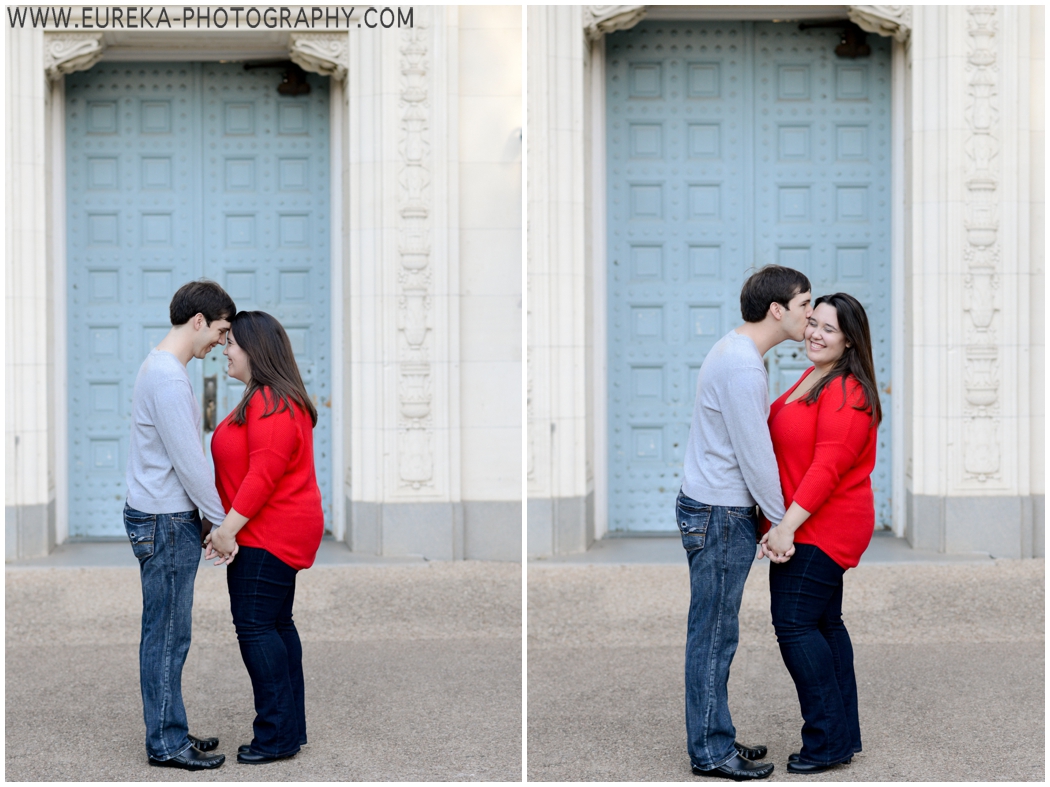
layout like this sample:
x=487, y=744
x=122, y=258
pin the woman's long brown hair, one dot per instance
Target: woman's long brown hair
x=856, y=359
x=272, y=364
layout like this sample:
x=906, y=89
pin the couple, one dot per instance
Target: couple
x=807, y=462
x=267, y=506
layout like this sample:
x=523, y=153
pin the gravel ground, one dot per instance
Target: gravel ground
x=949, y=658
x=413, y=673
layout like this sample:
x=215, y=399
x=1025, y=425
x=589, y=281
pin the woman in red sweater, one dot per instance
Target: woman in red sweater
x=824, y=436
x=264, y=471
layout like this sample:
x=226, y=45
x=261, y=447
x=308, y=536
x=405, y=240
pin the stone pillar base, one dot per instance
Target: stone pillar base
x=1010, y=526
x=560, y=525
x=29, y=531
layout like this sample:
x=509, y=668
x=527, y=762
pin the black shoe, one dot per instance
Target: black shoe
x=203, y=744
x=750, y=752
x=191, y=760
x=738, y=769
x=794, y=766
x=249, y=757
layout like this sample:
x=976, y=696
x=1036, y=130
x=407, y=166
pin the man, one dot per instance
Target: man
x=729, y=467
x=168, y=481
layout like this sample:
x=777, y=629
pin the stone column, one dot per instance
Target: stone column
x=559, y=445
x=34, y=59
x=974, y=407
x=402, y=327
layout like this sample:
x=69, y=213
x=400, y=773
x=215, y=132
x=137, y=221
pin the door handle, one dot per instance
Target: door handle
x=211, y=388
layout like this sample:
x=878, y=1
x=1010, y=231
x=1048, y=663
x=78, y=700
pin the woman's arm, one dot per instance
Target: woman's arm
x=223, y=539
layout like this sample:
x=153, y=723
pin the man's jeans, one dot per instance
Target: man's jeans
x=806, y=601
x=168, y=547
x=720, y=545
x=262, y=591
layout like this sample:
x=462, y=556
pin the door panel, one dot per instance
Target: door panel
x=177, y=171
x=730, y=145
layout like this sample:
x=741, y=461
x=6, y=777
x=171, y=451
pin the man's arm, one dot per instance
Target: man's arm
x=175, y=416
x=744, y=410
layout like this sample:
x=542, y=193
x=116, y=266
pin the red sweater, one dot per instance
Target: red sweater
x=265, y=470
x=826, y=452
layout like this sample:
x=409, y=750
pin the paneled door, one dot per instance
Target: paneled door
x=731, y=145
x=177, y=171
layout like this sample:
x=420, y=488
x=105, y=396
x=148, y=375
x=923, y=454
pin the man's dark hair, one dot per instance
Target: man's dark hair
x=770, y=284
x=201, y=297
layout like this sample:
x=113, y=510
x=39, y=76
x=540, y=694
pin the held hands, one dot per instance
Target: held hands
x=221, y=543
x=778, y=545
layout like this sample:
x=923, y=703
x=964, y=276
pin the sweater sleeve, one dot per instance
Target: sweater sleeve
x=745, y=411
x=176, y=423
x=841, y=435
x=271, y=443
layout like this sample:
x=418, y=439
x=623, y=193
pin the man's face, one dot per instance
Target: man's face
x=796, y=317
x=209, y=335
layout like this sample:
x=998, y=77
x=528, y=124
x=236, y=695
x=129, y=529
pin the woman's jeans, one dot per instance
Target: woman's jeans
x=262, y=589
x=168, y=547
x=806, y=602
x=720, y=545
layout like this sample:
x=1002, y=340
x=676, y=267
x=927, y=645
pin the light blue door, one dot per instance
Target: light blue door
x=177, y=171
x=731, y=145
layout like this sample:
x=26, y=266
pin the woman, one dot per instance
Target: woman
x=824, y=435
x=264, y=471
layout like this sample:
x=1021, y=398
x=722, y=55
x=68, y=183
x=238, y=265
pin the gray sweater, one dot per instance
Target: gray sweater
x=729, y=460
x=167, y=469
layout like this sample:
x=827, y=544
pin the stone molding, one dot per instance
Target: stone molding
x=885, y=20
x=321, y=53
x=982, y=427
x=65, y=53
x=415, y=428
x=601, y=19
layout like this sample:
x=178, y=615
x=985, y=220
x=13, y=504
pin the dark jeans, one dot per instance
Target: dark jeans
x=168, y=547
x=262, y=589
x=720, y=545
x=806, y=602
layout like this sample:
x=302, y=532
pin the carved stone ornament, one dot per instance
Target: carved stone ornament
x=321, y=53
x=884, y=20
x=414, y=303
x=65, y=53
x=601, y=19
x=982, y=450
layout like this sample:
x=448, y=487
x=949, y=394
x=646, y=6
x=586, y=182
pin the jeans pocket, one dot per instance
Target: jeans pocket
x=693, y=520
x=142, y=528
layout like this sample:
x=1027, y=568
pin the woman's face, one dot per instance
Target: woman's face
x=825, y=342
x=238, y=367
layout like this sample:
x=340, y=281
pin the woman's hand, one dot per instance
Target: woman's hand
x=221, y=547
x=778, y=544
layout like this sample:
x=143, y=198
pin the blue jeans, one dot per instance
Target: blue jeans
x=720, y=545
x=806, y=602
x=262, y=589
x=168, y=547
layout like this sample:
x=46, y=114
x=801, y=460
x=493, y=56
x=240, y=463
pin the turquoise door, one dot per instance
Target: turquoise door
x=731, y=145
x=177, y=171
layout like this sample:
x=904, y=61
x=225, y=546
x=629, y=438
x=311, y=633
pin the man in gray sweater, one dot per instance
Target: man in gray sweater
x=729, y=467
x=169, y=481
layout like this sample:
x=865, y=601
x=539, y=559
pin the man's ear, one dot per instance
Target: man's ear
x=776, y=310
x=199, y=321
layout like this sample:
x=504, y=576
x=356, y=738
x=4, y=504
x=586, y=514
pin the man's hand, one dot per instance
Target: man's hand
x=778, y=544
